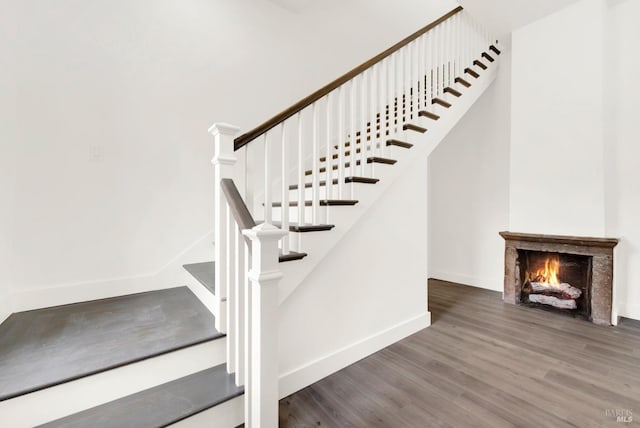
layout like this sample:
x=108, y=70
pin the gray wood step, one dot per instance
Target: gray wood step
x=205, y=274
x=47, y=347
x=159, y=406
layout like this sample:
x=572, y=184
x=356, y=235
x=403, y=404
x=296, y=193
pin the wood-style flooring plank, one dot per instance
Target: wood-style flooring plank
x=483, y=363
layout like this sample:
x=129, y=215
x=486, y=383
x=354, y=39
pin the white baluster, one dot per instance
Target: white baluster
x=393, y=95
x=248, y=345
x=382, y=78
x=223, y=160
x=284, y=211
x=374, y=110
x=363, y=124
x=341, y=141
x=328, y=179
x=301, y=179
x=414, y=80
x=264, y=276
x=239, y=305
x=315, y=168
x=352, y=133
x=231, y=296
x=268, y=197
x=422, y=72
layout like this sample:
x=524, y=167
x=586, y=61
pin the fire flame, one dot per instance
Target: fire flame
x=549, y=273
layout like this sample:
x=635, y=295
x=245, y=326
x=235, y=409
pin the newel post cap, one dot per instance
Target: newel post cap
x=221, y=128
x=264, y=232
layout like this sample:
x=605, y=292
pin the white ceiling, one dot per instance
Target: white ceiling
x=503, y=16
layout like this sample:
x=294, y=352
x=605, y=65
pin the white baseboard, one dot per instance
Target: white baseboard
x=313, y=371
x=470, y=280
x=630, y=311
x=170, y=275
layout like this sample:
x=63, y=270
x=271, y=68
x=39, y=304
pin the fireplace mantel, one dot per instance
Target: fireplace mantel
x=600, y=249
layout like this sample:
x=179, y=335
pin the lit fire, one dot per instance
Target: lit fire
x=549, y=273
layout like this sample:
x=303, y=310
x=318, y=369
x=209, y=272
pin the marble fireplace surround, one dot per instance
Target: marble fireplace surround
x=599, y=249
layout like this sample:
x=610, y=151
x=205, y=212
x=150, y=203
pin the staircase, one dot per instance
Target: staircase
x=287, y=193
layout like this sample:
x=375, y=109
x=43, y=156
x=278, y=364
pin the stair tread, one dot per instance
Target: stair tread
x=441, y=102
x=480, y=64
x=450, y=90
x=471, y=72
x=296, y=227
x=352, y=179
x=428, y=114
x=161, y=405
x=291, y=256
x=399, y=143
x=412, y=127
x=370, y=159
x=204, y=272
x=46, y=347
x=323, y=202
x=462, y=82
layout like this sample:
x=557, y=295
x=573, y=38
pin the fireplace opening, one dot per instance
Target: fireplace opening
x=556, y=281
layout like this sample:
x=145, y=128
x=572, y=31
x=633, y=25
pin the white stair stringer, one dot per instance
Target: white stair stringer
x=77, y=395
x=318, y=245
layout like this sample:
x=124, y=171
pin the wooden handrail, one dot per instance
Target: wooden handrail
x=239, y=209
x=245, y=138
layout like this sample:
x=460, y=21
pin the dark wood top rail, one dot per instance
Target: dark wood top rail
x=244, y=139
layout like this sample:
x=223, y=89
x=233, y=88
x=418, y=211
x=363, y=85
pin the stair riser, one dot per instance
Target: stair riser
x=227, y=414
x=58, y=401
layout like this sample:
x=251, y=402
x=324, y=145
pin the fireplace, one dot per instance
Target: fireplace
x=568, y=274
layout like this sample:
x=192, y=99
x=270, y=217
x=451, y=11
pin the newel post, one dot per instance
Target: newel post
x=264, y=276
x=223, y=162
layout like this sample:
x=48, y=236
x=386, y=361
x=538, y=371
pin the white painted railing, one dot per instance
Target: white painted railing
x=287, y=176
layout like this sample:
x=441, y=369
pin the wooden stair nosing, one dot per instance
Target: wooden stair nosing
x=412, y=127
x=462, y=82
x=441, y=102
x=450, y=90
x=495, y=49
x=304, y=228
x=428, y=114
x=487, y=57
x=352, y=179
x=370, y=159
x=378, y=159
x=398, y=143
x=322, y=203
x=291, y=256
x=471, y=72
x=479, y=64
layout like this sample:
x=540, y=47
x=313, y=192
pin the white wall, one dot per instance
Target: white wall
x=469, y=191
x=574, y=100
x=622, y=150
x=557, y=175
x=107, y=105
x=377, y=271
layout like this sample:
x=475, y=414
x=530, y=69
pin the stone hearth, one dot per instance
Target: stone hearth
x=599, y=250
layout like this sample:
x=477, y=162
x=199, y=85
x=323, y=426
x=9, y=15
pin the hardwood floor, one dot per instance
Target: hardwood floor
x=484, y=363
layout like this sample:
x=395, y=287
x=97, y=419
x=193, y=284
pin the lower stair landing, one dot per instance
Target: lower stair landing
x=51, y=346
